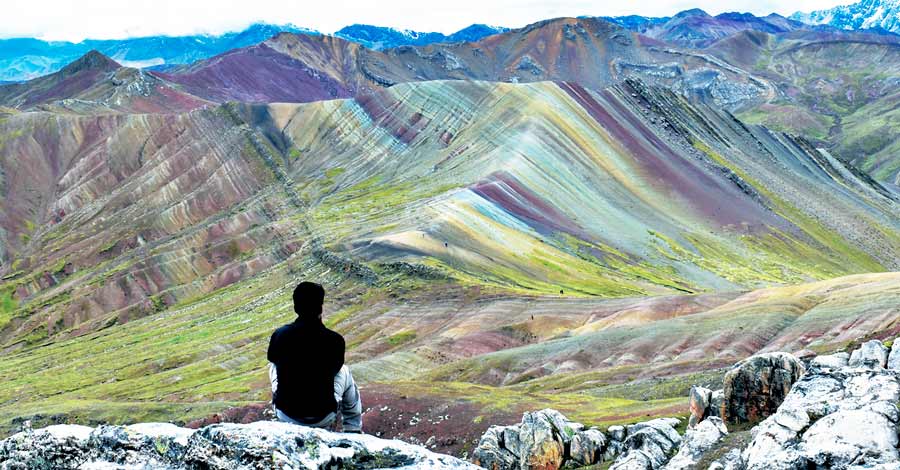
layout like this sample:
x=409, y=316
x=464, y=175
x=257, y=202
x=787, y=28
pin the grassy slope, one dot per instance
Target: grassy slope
x=202, y=358
x=836, y=93
x=871, y=132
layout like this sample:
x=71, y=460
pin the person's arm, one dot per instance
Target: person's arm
x=339, y=348
x=274, y=353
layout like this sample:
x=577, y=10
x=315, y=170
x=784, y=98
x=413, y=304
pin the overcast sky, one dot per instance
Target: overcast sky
x=75, y=20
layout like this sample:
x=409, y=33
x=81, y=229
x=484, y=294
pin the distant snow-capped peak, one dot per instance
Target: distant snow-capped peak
x=865, y=14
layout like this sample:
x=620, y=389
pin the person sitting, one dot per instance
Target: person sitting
x=307, y=370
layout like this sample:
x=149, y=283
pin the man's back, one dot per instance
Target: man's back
x=307, y=356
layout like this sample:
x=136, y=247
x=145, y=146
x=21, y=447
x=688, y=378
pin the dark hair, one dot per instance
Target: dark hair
x=308, y=299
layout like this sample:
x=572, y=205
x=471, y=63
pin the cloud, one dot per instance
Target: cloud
x=76, y=20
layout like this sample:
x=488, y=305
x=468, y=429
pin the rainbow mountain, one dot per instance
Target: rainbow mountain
x=591, y=239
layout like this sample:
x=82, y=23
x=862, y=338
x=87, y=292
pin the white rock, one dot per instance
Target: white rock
x=659, y=423
x=770, y=447
x=729, y=461
x=832, y=361
x=871, y=354
x=792, y=419
x=617, y=433
x=635, y=460
x=827, y=392
x=842, y=439
x=73, y=431
x=696, y=442
x=881, y=466
x=648, y=445
x=155, y=430
x=263, y=444
x=894, y=358
x=831, y=419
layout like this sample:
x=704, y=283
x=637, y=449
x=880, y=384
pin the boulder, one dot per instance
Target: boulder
x=893, y=362
x=616, y=433
x=264, y=444
x=756, y=386
x=698, y=405
x=587, y=447
x=696, y=442
x=833, y=361
x=658, y=423
x=540, y=441
x=845, y=438
x=648, y=445
x=872, y=354
x=492, y=453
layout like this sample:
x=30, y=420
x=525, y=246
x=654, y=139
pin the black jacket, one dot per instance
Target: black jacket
x=306, y=356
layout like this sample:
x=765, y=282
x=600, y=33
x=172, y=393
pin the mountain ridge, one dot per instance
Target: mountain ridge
x=864, y=14
x=301, y=68
x=380, y=37
x=27, y=58
x=96, y=83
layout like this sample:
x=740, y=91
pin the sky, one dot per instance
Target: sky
x=73, y=20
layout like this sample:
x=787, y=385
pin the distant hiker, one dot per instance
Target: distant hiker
x=309, y=378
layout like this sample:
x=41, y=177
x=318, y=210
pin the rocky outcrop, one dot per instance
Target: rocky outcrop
x=756, y=386
x=548, y=440
x=543, y=440
x=840, y=413
x=834, y=417
x=648, y=445
x=264, y=444
x=696, y=442
x=492, y=452
x=538, y=442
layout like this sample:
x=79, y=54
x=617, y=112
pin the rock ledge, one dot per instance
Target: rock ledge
x=260, y=445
